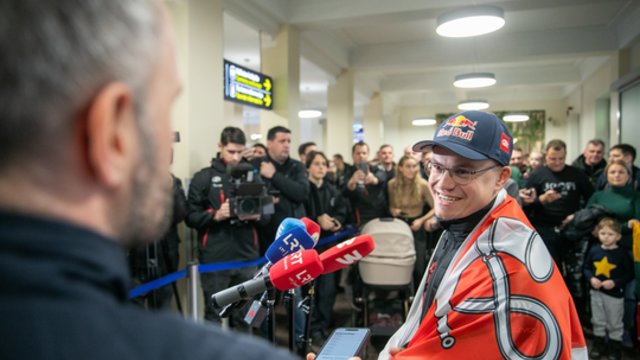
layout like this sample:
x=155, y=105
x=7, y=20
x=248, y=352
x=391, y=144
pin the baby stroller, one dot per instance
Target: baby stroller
x=388, y=270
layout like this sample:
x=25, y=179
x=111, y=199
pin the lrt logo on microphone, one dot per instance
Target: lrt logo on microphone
x=295, y=258
x=292, y=243
x=300, y=278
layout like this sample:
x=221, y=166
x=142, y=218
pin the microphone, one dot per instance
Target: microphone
x=313, y=229
x=292, y=271
x=291, y=236
x=288, y=224
x=347, y=253
x=290, y=241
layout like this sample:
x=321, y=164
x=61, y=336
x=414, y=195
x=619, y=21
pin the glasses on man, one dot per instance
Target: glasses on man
x=459, y=175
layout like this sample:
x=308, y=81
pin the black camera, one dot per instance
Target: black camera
x=250, y=199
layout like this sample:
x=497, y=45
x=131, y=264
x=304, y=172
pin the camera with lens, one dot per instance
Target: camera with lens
x=250, y=198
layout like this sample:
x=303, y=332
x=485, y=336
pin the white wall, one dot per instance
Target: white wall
x=585, y=98
x=409, y=134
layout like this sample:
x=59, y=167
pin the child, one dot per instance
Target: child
x=608, y=269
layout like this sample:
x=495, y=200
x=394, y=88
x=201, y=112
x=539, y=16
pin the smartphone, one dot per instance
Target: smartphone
x=345, y=343
x=363, y=166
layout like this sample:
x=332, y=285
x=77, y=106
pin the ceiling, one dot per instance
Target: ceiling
x=546, y=48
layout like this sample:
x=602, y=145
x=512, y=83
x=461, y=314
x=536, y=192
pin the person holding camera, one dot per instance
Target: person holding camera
x=222, y=236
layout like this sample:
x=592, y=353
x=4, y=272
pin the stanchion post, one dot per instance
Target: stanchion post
x=192, y=290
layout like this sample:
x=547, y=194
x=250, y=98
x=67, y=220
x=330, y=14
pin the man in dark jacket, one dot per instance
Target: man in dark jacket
x=85, y=141
x=286, y=179
x=366, y=187
x=221, y=235
x=553, y=194
x=592, y=161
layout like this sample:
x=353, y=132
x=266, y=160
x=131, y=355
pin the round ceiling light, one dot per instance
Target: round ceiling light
x=473, y=105
x=470, y=21
x=515, y=117
x=309, y=114
x=474, y=80
x=423, y=122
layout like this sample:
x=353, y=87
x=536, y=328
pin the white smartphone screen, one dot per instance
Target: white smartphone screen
x=344, y=343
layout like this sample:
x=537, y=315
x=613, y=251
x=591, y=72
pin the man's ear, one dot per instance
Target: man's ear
x=110, y=134
x=505, y=174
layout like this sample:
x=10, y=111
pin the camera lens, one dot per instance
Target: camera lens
x=248, y=206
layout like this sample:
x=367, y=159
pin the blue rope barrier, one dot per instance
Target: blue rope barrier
x=212, y=267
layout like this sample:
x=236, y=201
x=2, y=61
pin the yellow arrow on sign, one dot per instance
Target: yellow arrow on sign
x=267, y=100
x=267, y=84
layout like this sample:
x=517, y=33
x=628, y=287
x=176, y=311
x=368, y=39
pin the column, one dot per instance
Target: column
x=339, y=125
x=373, y=123
x=282, y=63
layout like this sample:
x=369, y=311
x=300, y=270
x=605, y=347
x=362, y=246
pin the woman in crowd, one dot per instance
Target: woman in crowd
x=624, y=203
x=411, y=201
x=325, y=206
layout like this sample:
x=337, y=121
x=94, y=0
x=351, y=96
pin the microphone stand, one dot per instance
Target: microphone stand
x=271, y=315
x=290, y=302
x=307, y=307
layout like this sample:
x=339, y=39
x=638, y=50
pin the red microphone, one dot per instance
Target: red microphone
x=294, y=270
x=347, y=253
x=313, y=229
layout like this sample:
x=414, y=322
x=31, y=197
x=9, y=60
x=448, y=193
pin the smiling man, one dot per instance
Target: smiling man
x=491, y=289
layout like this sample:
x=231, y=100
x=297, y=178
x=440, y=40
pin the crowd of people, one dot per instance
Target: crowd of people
x=335, y=194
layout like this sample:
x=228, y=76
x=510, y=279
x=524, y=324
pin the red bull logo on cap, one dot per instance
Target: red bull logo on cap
x=458, y=126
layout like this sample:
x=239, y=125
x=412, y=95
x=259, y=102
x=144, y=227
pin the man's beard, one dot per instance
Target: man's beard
x=151, y=200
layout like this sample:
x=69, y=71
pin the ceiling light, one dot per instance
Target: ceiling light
x=515, y=117
x=309, y=114
x=255, y=137
x=470, y=21
x=423, y=122
x=474, y=80
x=473, y=105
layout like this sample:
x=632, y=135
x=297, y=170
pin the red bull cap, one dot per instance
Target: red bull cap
x=474, y=135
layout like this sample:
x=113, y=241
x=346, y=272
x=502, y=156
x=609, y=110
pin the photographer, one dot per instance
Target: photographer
x=366, y=186
x=222, y=237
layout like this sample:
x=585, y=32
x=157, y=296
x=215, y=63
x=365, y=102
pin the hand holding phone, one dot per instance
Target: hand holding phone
x=345, y=343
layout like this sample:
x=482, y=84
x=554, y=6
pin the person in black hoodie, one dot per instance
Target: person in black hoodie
x=221, y=236
x=325, y=206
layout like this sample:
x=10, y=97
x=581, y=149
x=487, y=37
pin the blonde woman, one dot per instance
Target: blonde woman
x=411, y=201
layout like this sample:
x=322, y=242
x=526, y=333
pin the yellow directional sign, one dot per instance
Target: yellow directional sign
x=245, y=86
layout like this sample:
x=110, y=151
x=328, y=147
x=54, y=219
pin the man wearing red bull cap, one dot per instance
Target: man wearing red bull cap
x=491, y=289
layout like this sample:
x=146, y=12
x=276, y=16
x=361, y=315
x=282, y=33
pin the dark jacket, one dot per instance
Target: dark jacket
x=162, y=257
x=224, y=240
x=325, y=199
x=368, y=201
x=593, y=172
x=64, y=296
x=292, y=185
